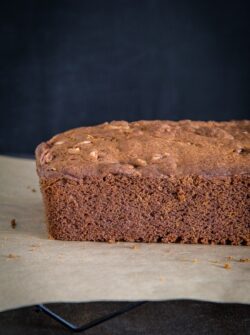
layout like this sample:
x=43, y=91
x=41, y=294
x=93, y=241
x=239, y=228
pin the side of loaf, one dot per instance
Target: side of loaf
x=148, y=181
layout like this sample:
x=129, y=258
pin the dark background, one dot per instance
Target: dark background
x=71, y=63
x=180, y=317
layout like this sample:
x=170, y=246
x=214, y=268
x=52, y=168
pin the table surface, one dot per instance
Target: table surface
x=155, y=318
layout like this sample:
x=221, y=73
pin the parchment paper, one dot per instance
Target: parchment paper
x=34, y=269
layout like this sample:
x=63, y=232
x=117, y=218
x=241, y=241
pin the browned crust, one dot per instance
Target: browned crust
x=148, y=148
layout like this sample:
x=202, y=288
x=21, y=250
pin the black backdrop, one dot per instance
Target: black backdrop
x=70, y=63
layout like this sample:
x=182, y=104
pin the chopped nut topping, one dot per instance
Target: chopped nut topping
x=119, y=125
x=59, y=142
x=73, y=150
x=12, y=256
x=46, y=157
x=156, y=157
x=139, y=162
x=84, y=142
x=94, y=154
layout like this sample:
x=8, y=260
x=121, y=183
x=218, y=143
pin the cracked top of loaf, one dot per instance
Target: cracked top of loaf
x=148, y=148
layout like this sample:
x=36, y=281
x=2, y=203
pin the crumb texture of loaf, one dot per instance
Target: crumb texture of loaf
x=148, y=181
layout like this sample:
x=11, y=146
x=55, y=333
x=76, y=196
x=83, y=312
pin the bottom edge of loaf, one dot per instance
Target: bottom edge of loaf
x=240, y=241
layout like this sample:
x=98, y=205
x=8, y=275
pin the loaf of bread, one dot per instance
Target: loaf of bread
x=148, y=181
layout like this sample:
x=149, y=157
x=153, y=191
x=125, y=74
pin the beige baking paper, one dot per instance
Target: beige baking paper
x=34, y=269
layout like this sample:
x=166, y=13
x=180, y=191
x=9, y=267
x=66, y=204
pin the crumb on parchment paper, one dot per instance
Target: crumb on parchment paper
x=241, y=260
x=135, y=247
x=31, y=188
x=12, y=256
x=233, y=259
x=13, y=223
x=191, y=260
x=34, y=247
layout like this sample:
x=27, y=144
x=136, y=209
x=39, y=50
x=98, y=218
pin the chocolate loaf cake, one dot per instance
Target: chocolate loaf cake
x=148, y=181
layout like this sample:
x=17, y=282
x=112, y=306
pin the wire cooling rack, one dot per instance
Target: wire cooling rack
x=78, y=329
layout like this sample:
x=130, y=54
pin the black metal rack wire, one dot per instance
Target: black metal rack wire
x=77, y=329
